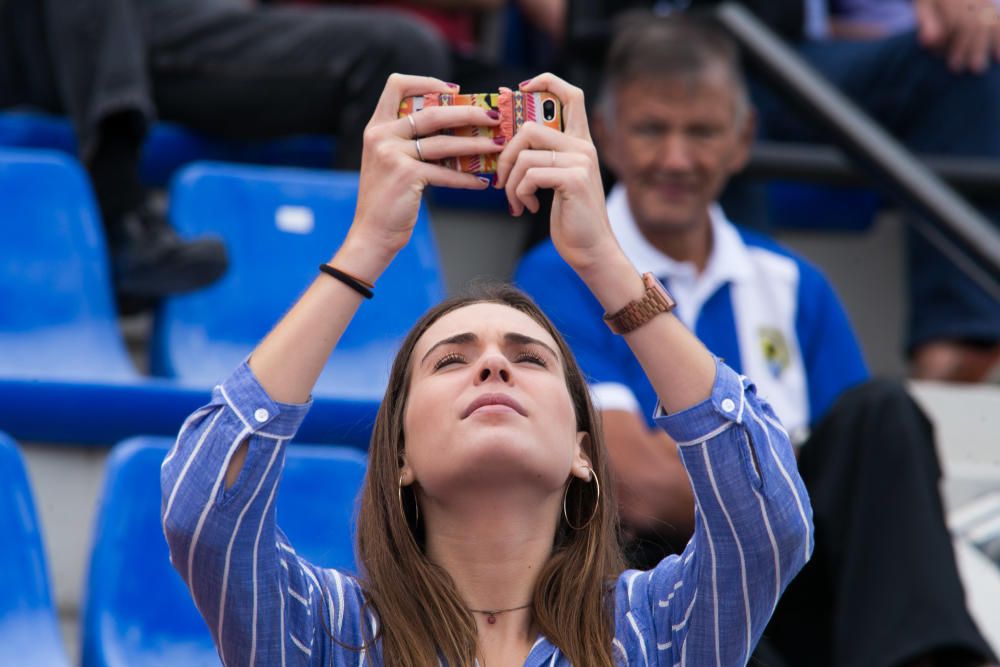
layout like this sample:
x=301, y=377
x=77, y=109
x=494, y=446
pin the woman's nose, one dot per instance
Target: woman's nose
x=494, y=367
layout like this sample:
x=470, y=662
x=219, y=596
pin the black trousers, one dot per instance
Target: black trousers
x=882, y=586
x=214, y=65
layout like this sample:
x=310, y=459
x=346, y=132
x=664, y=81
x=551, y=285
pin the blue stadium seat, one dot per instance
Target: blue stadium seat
x=57, y=316
x=29, y=629
x=279, y=225
x=138, y=613
x=27, y=129
x=98, y=413
x=65, y=375
x=169, y=146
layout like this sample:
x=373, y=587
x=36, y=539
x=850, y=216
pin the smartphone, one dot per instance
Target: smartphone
x=516, y=108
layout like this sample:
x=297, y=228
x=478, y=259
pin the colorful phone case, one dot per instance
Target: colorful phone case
x=515, y=107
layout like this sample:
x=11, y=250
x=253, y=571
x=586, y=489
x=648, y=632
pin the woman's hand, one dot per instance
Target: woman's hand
x=393, y=172
x=541, y=157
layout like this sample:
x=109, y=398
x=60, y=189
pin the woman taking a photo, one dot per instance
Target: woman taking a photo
x=487, y=526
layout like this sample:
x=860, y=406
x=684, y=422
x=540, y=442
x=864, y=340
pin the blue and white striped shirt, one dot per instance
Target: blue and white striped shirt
x=265, y=605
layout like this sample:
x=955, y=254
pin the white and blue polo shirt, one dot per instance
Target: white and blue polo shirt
x=768, y=313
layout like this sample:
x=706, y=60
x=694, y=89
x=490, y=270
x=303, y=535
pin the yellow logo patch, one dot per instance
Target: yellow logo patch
x=774, y=347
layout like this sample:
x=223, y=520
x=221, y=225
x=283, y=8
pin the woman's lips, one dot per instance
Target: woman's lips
x=493, y=402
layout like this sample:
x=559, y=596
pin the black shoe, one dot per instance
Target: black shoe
x=150, y=261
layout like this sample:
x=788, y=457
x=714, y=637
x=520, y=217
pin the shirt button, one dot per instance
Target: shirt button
x=261, y=415
x=728, y=405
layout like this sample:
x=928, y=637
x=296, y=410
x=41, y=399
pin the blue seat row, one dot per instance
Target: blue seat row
x=169, y=146
x=65, y=374
x=137, y=611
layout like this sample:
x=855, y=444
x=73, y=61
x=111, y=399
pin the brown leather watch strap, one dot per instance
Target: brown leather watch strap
x=656, y=300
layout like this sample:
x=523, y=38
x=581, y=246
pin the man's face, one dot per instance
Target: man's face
x=674, y=143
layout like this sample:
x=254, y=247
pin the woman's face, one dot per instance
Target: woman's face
x=488, y=406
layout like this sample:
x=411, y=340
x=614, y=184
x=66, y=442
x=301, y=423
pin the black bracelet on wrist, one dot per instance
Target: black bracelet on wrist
x=362, y=287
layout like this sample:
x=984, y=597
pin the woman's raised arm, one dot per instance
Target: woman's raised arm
x=393, y=177
x=262, y=603
x=679, y=367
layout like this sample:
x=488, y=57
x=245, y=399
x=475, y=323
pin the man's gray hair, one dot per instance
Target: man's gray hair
x=676, y=46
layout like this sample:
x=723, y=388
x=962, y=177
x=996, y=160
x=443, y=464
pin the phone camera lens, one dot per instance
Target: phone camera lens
x=549, y=110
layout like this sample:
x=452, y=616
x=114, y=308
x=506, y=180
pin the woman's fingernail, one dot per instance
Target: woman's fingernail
x=524, y=83
x=494, y=114
x=451, y=85
x=485, y=180
x=500, y=141
x=510, y=208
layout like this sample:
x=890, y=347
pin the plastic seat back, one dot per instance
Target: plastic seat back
x=169, y=146
x=138, y=612
x=57, y=317
x=279, y=225
x=29, y=629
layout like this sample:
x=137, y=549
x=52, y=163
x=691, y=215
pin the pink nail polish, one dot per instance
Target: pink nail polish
x=484, y=180
x=524, y=83
x=494, y=114
x=452, y=85
x=500, y=141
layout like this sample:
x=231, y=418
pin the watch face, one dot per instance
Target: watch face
x=656, y=286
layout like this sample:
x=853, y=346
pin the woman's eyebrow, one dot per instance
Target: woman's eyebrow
x=457, y=339
x=521, y=339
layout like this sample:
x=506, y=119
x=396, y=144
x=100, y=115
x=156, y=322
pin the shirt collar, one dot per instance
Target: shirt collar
x=728, y=260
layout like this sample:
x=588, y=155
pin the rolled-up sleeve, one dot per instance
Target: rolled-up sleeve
x=753, y=533
x=261, y=601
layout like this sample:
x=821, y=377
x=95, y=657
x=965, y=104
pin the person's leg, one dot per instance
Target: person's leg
x=931, y=110
x=276, y=71
x=882, y=588
x=85, y=58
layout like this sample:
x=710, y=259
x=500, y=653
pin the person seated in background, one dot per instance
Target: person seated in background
x=673, y=124
x=484, y=536
x=219, y=66
x=466, y=27
x=927, y=71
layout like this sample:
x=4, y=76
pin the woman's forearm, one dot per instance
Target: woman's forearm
x=290, y=358
x=678, y=366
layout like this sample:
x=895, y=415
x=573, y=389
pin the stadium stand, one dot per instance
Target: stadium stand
x=279, y=225
x=60, y=343
x=29, y=631
x=169, y=145
x=138, y=612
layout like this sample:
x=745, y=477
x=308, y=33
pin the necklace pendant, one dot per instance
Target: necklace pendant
x=491, y=619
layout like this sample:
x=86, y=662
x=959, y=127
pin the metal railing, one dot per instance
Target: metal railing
x=977, y=179
x=960, y=231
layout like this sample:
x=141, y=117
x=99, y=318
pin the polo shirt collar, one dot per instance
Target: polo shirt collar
x=728, y=260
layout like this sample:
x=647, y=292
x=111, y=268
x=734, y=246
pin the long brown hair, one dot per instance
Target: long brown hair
x=421, y=615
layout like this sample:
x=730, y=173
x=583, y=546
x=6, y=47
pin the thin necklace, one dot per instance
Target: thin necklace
x=491, y=614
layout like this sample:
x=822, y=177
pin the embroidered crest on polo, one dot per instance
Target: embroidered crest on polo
x=774, y=347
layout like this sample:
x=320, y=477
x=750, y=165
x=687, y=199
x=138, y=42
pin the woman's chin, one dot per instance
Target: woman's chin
x=504, y=457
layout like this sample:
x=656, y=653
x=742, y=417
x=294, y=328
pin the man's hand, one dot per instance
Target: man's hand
x=653, y=487
x=965, y=32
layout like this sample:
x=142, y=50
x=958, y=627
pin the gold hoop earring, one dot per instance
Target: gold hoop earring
x=402, y=507
x=597, y=502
